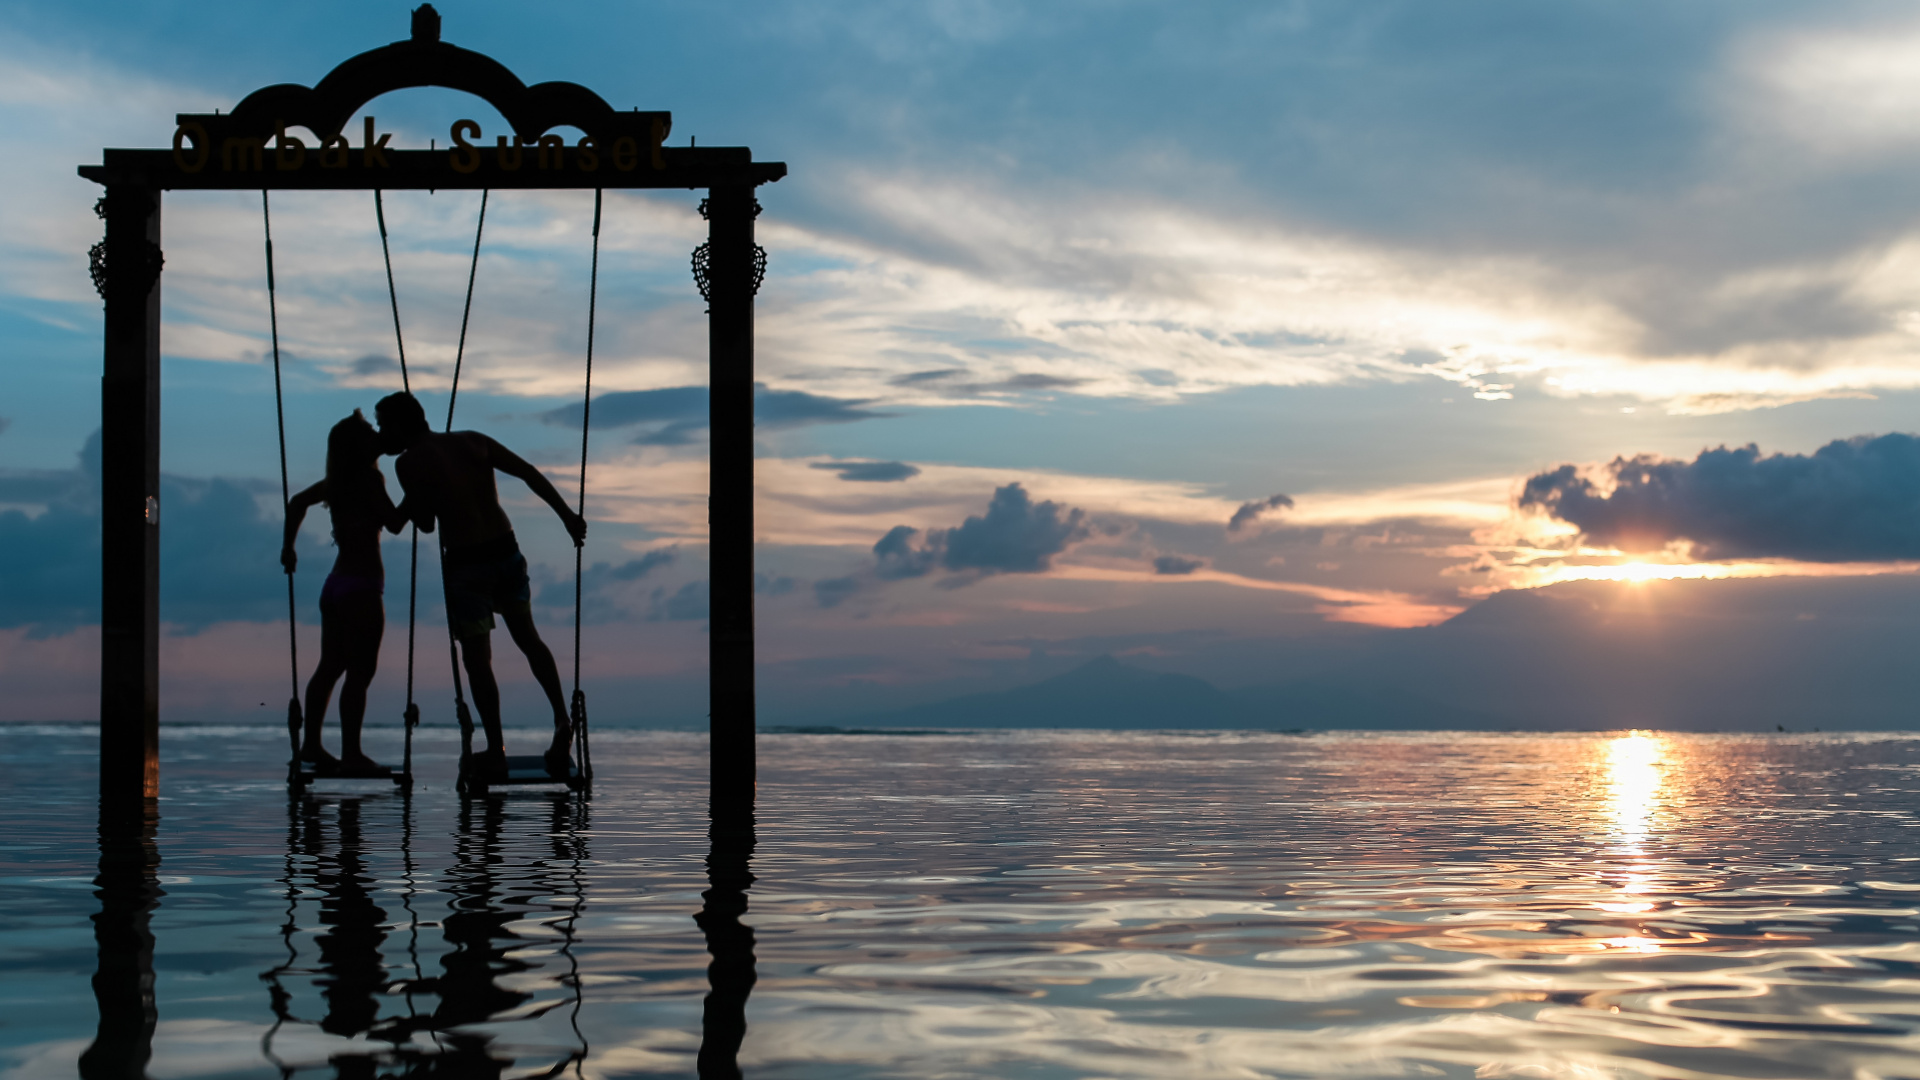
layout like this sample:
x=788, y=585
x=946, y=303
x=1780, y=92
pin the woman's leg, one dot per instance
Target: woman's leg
x=333, y=663
x=364, y=624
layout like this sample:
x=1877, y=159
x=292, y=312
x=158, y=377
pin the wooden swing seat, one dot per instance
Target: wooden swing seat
x=521, y=769
x=305, y=773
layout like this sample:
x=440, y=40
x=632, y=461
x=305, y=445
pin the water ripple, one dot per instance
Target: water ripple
x=1010, y=905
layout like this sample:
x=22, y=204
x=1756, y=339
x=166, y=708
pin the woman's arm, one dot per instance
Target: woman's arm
x=296, y=514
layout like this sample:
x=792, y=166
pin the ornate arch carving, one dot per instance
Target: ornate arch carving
x=425, y=60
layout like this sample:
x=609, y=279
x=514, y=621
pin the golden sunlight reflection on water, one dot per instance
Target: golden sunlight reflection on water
x=1636, y=781
x=1636, y=771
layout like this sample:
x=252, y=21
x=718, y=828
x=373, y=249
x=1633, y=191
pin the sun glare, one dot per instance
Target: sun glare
x=1635, y=781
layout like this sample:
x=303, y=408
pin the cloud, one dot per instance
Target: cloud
x=1015, y=536
x=1250, y=511
x=600, y=578
x=794, y=408
x=635, y=569
x=946, y=381
x=681, y=412
x=1176, y=564
x=896, y=557
x=678, y=433
x=1852, y=500
x=870, y=471
x=832, y=592
x=687, y=603
x=628, y=407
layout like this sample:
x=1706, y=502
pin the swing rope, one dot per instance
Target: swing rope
x=393, y=295
x=410, y=718
x=467, y=312
x=286, y=496
x=579, y=550
x=459, y=356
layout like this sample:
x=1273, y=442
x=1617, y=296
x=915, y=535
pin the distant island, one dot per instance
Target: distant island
x=1833, y=655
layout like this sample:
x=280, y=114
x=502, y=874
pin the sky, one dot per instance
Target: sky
x=1215, y=338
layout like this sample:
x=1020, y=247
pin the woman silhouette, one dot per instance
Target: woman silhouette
x=352, y=617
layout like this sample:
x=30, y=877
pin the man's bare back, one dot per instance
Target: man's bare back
x=453, y=474
x=448, y=478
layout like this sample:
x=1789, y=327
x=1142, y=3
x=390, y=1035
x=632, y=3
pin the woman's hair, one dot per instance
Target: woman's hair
x=353, y=461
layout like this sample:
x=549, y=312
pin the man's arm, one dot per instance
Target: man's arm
x=512, y=464
x=296, y=514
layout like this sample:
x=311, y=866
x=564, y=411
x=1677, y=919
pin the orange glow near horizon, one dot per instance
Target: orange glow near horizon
x=1535, y=573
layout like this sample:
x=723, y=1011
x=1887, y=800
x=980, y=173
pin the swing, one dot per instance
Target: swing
x=520, y=769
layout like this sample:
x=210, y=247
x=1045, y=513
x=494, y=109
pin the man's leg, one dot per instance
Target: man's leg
x=477, y=651
x=545, y=672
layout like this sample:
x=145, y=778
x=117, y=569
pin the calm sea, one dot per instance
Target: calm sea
x=1024, y=905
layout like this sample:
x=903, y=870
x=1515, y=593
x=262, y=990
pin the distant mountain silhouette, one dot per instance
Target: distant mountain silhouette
x=1102, y=693
x=1738, y=655
x=1105, y=693
x=1333, y=702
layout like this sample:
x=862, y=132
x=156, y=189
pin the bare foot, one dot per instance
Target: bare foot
x=489, y=762
x=559, y=754
x=317, y=755
x=359, y=763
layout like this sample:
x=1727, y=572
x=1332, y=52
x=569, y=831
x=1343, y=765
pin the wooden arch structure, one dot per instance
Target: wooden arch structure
x=254, y=147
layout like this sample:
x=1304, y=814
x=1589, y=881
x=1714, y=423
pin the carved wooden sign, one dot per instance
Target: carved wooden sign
x=258, y=144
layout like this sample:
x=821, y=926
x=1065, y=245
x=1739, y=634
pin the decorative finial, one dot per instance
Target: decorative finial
x=426, y=24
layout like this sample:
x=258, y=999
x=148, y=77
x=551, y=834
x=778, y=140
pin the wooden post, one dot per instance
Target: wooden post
x=731, y=272
x=129, y=502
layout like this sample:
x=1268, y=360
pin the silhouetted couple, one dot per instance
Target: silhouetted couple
x=448, y=483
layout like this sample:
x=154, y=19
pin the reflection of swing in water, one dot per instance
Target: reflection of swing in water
x=573, y=767
x=485, y=972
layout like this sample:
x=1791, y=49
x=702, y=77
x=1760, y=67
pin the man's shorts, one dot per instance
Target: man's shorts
x=481, y=579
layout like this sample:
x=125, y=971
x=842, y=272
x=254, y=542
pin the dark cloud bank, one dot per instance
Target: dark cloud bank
x=218, y=552
x=1851, y=500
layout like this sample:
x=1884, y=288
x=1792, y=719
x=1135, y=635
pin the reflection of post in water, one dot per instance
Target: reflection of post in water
x=128, y=888
x=723, y=1020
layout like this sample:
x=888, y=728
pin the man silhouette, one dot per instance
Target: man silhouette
x=448, y=480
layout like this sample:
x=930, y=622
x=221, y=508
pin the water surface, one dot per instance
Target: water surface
x=1049, y=904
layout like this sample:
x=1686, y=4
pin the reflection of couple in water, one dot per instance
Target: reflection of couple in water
x=448, y=482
